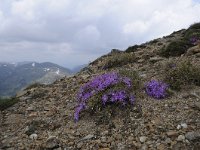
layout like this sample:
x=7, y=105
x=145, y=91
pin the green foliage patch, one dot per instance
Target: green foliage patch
x=119, y=60
x=175, y=48
x=195, y=26
x=193, y=32
x=7, y=102
x=135, y=47
x=134, y=76
x=34, y=85
x=181, y=74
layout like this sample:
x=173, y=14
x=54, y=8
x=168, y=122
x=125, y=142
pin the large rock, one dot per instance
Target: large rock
x=194, y=135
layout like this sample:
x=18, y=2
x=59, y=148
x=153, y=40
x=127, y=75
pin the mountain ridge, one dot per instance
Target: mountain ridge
x=15, y=76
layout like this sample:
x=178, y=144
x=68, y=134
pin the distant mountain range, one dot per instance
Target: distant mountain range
x=16, y=76
x=78, y=68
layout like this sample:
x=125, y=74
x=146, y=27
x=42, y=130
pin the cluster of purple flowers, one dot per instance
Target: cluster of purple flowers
x=173, y=66
x=156, y=89
x=120, y=96
x=194, y=40
x=101, y=83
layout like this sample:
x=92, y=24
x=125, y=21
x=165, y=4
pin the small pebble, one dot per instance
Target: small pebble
x=179, y=127
x=184, y=125
x=143, y=139
x=181, y=138
x=168, y=141
x=33, y=136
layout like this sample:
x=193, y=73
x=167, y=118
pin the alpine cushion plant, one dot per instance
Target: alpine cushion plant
x=156, y=89
x=117, y=96
x=105, y=86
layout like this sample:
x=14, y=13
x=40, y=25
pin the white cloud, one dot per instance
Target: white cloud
x=24, y=9
x=136, y=27
x=62, y=31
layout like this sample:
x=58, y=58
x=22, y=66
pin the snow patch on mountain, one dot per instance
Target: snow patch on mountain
x=33, y=64
x=58, y=71
x=46, y=69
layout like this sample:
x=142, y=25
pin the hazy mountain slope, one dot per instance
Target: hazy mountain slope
x=78, y=68
x=14, y=77
x=44, y=114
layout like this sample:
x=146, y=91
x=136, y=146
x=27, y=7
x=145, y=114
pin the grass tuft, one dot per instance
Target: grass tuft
x=7, y=102
x=181, y=74
x=119, y=60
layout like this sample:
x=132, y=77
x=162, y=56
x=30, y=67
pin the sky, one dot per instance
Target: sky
x=75, y=32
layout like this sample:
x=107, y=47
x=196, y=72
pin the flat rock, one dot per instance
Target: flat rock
x=184, y=125
x=33, y=136
x=172, y=133
x=30, y=109
x=89, y=136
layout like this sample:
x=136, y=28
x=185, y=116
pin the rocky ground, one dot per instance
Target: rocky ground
x=43, y=118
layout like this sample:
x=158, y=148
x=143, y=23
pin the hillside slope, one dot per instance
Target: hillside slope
x=43, y=118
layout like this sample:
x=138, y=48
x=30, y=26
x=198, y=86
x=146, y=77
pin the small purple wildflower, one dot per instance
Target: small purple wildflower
x=156, y=89
x=80, y=107
x=104, y=99
x=127, y=81
x=132, y=99
x=172, y=66
x=118, y=96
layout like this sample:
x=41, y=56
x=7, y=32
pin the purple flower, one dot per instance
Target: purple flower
x=80, y=107
x=120, y=96
x=127, y=81
x=156, y=89
x=99, y=84
x=132, y=99
x=194, y=40
x=172, y=66
x=104, y=99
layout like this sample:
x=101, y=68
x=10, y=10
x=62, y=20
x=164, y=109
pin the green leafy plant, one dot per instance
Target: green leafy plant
x=175, y=48
x=180, y=74
x=119, y=60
